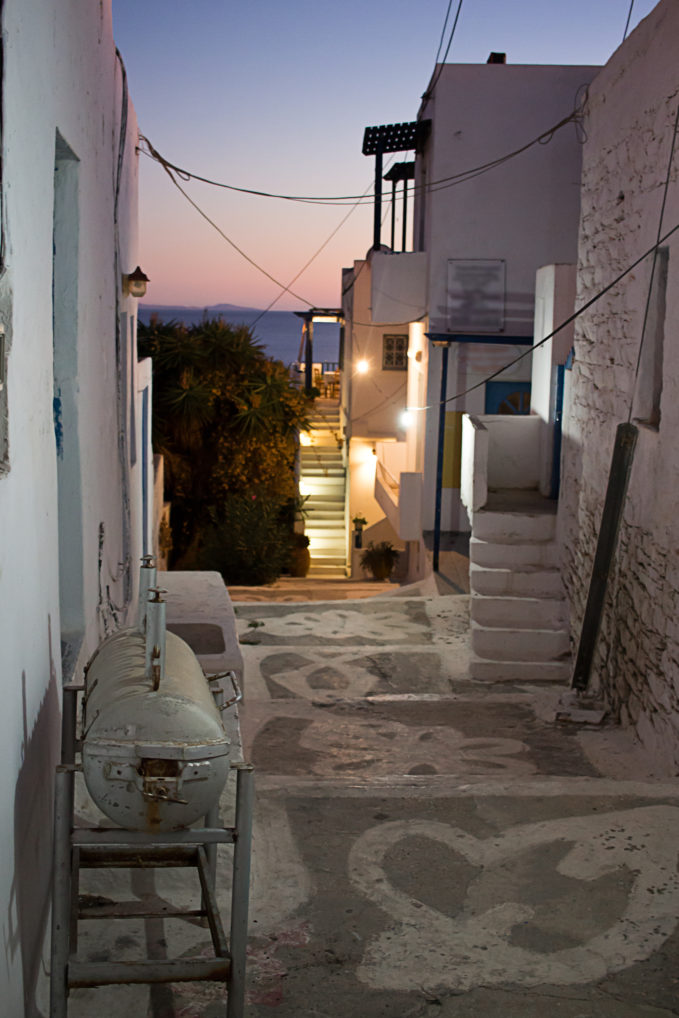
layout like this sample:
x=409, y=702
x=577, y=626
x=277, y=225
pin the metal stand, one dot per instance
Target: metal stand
x=79, y=848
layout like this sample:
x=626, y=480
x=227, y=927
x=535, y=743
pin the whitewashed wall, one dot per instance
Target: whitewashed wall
x=70, y=474
x=524, y=212
x=631, y=111
x=378, y=397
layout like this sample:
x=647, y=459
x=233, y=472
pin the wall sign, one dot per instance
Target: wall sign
x=476, y=295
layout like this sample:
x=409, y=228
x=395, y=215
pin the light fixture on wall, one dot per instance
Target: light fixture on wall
x=362, y=367
x=134, y=283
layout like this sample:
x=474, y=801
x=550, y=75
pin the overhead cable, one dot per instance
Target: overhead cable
x=576, y=314
x=575, y=116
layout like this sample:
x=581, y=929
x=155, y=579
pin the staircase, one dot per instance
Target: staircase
x=323, y=475
x=518, y=611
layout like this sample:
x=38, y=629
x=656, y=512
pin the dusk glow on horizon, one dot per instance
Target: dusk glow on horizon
x=275, y=98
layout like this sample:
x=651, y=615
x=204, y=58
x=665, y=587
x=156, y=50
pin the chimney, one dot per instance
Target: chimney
x=497, y=58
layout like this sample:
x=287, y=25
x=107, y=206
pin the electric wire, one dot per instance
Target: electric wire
x=443, y=32
x=567, y=321
x=655, y=259
x=314, y=256
x=430, y=91
x=629, y=16
x=543, y=138
x=199, y=210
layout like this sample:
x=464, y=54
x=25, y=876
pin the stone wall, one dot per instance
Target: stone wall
x=629, y=125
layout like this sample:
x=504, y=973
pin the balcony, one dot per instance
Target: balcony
x=398, y=286
x=398, y=491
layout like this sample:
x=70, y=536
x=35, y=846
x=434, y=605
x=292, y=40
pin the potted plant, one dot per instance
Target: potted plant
x=300, y=556
x=380, y=559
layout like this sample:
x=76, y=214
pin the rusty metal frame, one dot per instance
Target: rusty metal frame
x=80, y=848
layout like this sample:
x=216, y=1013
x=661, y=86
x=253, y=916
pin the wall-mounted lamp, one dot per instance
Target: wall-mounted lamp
x=362, y=367
x=134, y=283
x=406, y=419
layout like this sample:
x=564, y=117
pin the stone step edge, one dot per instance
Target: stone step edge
x=520, y=671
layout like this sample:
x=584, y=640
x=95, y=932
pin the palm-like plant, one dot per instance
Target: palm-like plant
x=224, y=418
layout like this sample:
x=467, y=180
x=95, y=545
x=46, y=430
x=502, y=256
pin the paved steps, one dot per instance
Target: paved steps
x=323, y=476
x=519, y=617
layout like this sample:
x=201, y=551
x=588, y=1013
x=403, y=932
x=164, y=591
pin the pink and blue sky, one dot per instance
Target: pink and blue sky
x=275, y=96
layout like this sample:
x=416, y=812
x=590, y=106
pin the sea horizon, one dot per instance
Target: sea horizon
x=279, y=332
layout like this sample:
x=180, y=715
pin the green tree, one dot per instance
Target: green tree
x=225, y=419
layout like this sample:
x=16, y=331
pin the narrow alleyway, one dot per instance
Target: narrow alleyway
x=429, y=846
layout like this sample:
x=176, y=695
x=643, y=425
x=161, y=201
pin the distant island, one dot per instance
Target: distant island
x=280, y=332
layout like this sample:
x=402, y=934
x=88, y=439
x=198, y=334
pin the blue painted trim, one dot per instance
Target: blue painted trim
x=555, y=481
x=449, y=337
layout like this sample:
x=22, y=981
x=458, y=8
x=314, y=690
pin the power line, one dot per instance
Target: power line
x=629, y=15
x=367, y=198
x=199, y=210
x=567, y=321
x=430, y=90
x=443, y=32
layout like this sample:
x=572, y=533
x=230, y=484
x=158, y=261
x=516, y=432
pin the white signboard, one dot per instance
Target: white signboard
x=476, y=295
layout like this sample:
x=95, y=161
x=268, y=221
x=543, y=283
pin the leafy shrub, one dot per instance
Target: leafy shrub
x=249, y=543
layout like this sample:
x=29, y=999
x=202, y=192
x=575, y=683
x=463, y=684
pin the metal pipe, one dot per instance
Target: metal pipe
x=618, y=480
x=393, y=213
x=405, y=212
x=240, y=890
x=69, y=712
x=377, y=215
x=155, y=637
x=147, y=580
x=61, y=891
x=439, y=455
x=212, y=815
x=309, y=355
x=183, y=970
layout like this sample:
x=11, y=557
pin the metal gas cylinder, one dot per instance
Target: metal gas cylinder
x=155, y=754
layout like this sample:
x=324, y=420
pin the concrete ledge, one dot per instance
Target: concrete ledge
x=199, y=610
x=519, y=671
x=529, y=555
x=519, y=612
x=519, y=644
x=515, y=582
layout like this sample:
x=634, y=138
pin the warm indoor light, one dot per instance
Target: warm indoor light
x=362, y=367
x=134, y=283
x=304, y=438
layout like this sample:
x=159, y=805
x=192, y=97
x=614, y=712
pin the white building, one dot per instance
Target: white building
x=75, y=482
x=630, y=124
x=484, y=221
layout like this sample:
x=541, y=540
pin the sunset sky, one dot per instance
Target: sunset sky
x=275, y=96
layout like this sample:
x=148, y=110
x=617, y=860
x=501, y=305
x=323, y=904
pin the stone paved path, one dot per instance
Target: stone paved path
x=429, y=846
x=424, y=846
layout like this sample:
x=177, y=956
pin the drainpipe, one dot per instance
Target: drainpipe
x=439, y=453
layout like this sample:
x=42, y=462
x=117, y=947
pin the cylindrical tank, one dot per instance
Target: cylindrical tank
x=153, y=759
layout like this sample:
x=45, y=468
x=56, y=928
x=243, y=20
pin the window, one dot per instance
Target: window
x=394, y=353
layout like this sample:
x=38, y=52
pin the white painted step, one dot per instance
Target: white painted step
x=322, y=485
x=487, y=670
x=497, y=554
x=514, y=582
x=518, y=612
x=327, y=549
x=509, y=528
x=519, y=644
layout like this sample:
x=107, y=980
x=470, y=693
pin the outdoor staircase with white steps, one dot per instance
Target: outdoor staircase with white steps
x=323, y=473
x=519, y=623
